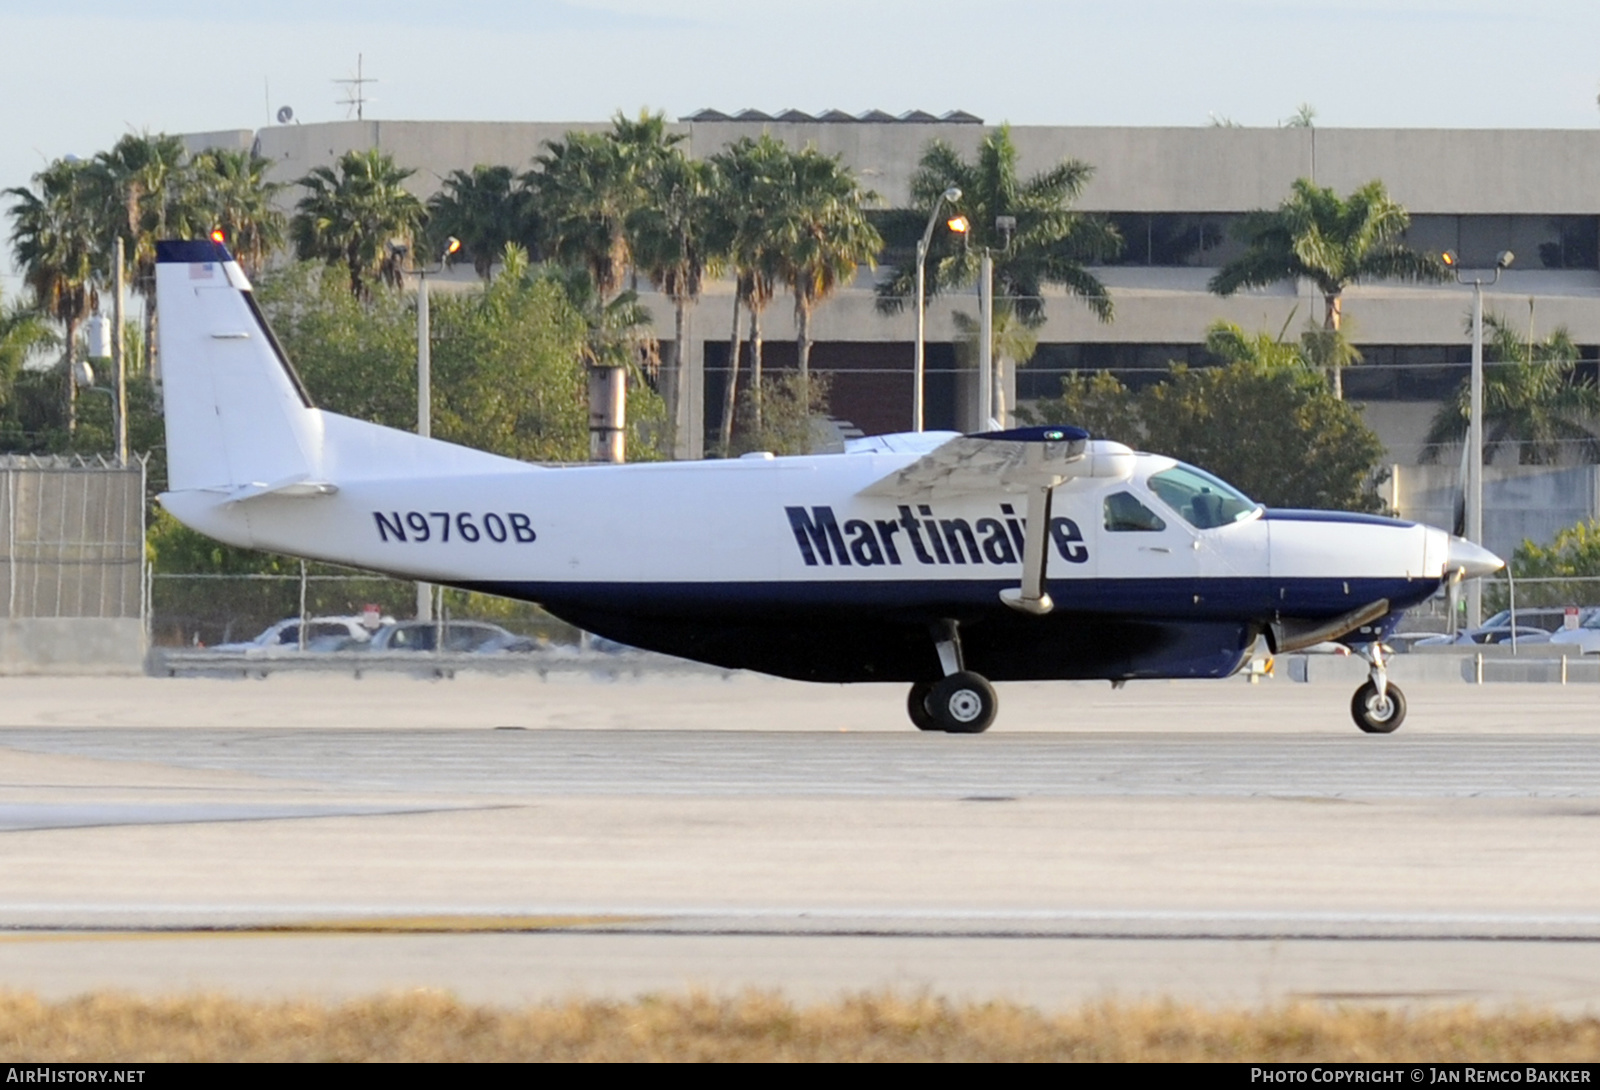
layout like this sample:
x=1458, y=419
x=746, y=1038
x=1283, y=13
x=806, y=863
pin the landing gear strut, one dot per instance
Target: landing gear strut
x=1378, y=707
x=961, y=702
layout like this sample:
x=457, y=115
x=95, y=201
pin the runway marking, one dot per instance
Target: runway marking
x=376, y=925
x=792, y=920
x=39, y=816
x=620, y=928
x=822, y=765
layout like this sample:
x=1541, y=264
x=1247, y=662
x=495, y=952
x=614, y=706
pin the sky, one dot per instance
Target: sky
x=72, y=81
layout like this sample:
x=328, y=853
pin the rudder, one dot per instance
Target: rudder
x=237, y=415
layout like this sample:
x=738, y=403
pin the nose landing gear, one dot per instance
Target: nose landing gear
x=1378, y=707
x=961, y=702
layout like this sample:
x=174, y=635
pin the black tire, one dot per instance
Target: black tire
x=1375, y=717
x=963, y=703
x=917, y=707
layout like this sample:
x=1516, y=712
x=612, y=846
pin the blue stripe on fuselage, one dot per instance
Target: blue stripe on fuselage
x=1243, y=599
x=1295, y=514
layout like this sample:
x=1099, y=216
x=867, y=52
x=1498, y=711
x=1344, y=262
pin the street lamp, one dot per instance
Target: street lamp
x=399, y=250
x=1006, y=226
x=949, y=196
x=1474, y=527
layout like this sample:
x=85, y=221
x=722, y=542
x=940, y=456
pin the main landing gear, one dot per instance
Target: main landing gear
x=961, y=702
x=1378, y=707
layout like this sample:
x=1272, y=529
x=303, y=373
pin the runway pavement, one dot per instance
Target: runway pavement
x=507, y=840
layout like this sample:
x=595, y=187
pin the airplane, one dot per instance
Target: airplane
x=940, y=560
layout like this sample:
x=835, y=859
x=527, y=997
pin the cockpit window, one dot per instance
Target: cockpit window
x=1125, y=514
x=1201, y=499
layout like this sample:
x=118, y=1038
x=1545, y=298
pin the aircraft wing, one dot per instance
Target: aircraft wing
x=1021, y=460
x=1018, y=460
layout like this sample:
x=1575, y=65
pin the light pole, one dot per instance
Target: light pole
x=1006, y=226
x=424, y=374
x=119, y=353
x=1474, y=527
x=949, y=196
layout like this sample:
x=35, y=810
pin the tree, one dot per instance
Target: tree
x=511, y=362
x=148, y=192
x=588, y=188
x=821, y=236
x=508, y=358
x=1095, y=402
x=1534, y=402
x=485, y=208
x=1276, y=432
x=588, y=185
x=753, y=174
x=1332, y=241
x=672, y=243
x=1278, y=435
x=1317, y=350
x=233, y=194
x=349, y=217
x=790, y=412
x=145, y=190
x=356, y=358
x=1304, y=117
x=52, y=236
x=1050, y=243
x=22, y=332
x=1573, y=555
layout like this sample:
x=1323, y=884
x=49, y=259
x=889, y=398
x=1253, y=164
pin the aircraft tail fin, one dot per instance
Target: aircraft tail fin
x=238, y=418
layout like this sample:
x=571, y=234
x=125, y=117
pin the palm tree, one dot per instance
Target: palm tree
x=822, y=235
x=1317, y=350
x=1049, y=244
x=22, y=331
x=485, y=208
x=148, y=188
x=756, y=176
x=1533, y=403
x=585, y=189
x=1315, y=235
x=53, y=240
x=671, y=242
x=145, y=190
x=234, y=194
x=351, y=216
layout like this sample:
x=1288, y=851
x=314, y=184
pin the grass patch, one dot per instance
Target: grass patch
x=427, y=1026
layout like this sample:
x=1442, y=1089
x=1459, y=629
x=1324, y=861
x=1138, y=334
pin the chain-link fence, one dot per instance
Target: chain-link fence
x=208, y=610
x=1446, y=610
x=71, y=538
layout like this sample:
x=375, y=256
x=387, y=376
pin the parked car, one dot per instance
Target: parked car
x=322, y=634
x=1536, y=624
x=473, y=637
x=1586, y=637
x=1401, y=642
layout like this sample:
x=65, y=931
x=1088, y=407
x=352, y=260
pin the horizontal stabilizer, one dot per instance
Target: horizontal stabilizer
x=1005, y=461
x=296, y=487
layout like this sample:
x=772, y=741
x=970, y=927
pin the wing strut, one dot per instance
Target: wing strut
x=1031, y=596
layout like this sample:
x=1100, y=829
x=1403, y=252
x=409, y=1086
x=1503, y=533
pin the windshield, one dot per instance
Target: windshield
x=1200, y=499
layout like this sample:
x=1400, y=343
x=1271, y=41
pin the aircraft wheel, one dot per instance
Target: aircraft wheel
x=917, y=707
x=1375, y=716
x=963, y=703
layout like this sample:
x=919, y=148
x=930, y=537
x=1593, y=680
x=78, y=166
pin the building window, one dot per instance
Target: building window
x=1540, y=242
x=1177, y=239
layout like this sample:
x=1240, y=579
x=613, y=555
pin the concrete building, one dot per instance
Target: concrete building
x=1175, y=195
